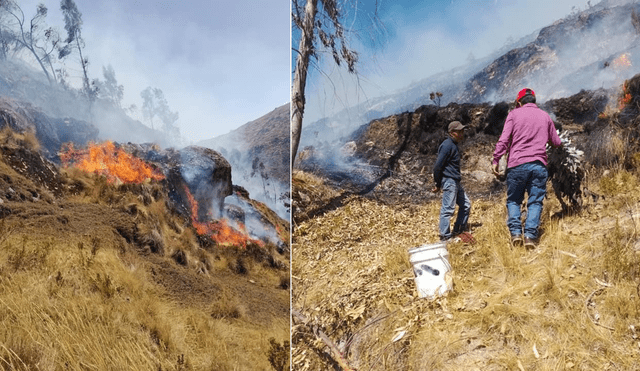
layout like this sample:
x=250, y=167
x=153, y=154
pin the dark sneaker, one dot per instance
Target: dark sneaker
x=529, y=243
x=516, y=240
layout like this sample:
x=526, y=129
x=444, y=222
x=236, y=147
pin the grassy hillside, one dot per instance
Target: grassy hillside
x=95, y=275
x=571, y=304
x=258, y=152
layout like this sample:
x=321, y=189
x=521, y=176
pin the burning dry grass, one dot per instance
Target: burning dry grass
x=112, y=162
x=573, y=303
x=109, y=276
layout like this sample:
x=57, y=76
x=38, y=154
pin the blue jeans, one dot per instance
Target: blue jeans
x=531, y=178
x=452, y=195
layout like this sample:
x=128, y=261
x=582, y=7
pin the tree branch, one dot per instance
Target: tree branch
x=338, y=356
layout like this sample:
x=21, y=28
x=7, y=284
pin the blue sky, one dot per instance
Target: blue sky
x=219, y=63
x=422, y=38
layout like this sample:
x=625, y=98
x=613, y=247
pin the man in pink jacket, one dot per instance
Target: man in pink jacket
x=526, y=133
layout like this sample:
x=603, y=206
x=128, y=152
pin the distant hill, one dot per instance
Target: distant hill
x=592, y=49
x=266, y=138
x=259, y=155
x=24, y=84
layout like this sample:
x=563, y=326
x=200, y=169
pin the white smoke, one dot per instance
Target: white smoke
x=574, y=63
x=431, y=39
x=216, y=69
x=256, y=227
x=269, y=191
x=266, y=178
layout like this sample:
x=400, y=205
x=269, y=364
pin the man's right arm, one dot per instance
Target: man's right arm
x=503, y=142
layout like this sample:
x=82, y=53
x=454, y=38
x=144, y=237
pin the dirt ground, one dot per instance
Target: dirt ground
x=509, y=309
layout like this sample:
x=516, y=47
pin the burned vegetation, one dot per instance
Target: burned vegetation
x=391, y=158
x=354, y=298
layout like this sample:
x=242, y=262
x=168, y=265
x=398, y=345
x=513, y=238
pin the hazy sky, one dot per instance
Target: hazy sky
x=219, y=63
x=423, y=38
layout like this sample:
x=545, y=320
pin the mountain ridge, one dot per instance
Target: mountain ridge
x=546, y=61
x=259, y=155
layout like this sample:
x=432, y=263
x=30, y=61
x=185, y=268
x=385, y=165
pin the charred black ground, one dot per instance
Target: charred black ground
x=391, y=159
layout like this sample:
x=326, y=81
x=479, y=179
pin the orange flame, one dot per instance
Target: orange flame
x=218, y=230
x=622, y=61
x=106, y=159
x=625, y=97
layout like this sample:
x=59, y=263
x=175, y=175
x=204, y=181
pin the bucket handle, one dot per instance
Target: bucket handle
x=446, y=262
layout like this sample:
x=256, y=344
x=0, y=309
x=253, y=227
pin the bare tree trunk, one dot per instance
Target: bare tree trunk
x=85, y=81
x=40, y=62
x=305, y=51
x=22, y=37
x=29, y=45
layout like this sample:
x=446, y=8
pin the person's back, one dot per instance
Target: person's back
x=526, y=133
x=527, y=130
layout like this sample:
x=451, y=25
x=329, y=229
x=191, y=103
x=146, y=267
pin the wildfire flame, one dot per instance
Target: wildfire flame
x=106, y=159
x=622, y=61
x=219, y=230
x=625, y=96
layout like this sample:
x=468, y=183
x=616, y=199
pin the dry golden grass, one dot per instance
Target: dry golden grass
x=27, y=139
x=62, y=307
x=315, y=194
x=108, y=278
x=571, y=304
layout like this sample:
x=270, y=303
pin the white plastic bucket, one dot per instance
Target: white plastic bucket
x=431, y=268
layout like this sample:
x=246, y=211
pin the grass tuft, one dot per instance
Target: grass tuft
x=571, y=303
x=615, y=183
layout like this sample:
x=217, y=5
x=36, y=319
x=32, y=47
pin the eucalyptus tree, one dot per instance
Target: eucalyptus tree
x=320, y=27
x=74, y=41
x=154, y=104
x=109, y=88
x=33, y=35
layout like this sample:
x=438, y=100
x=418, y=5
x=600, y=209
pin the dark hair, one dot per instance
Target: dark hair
x=529, y=98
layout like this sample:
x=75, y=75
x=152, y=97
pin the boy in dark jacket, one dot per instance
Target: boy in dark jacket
x=447, y=176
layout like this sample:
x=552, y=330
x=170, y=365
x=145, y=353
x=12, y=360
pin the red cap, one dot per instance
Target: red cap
x=524, y=92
